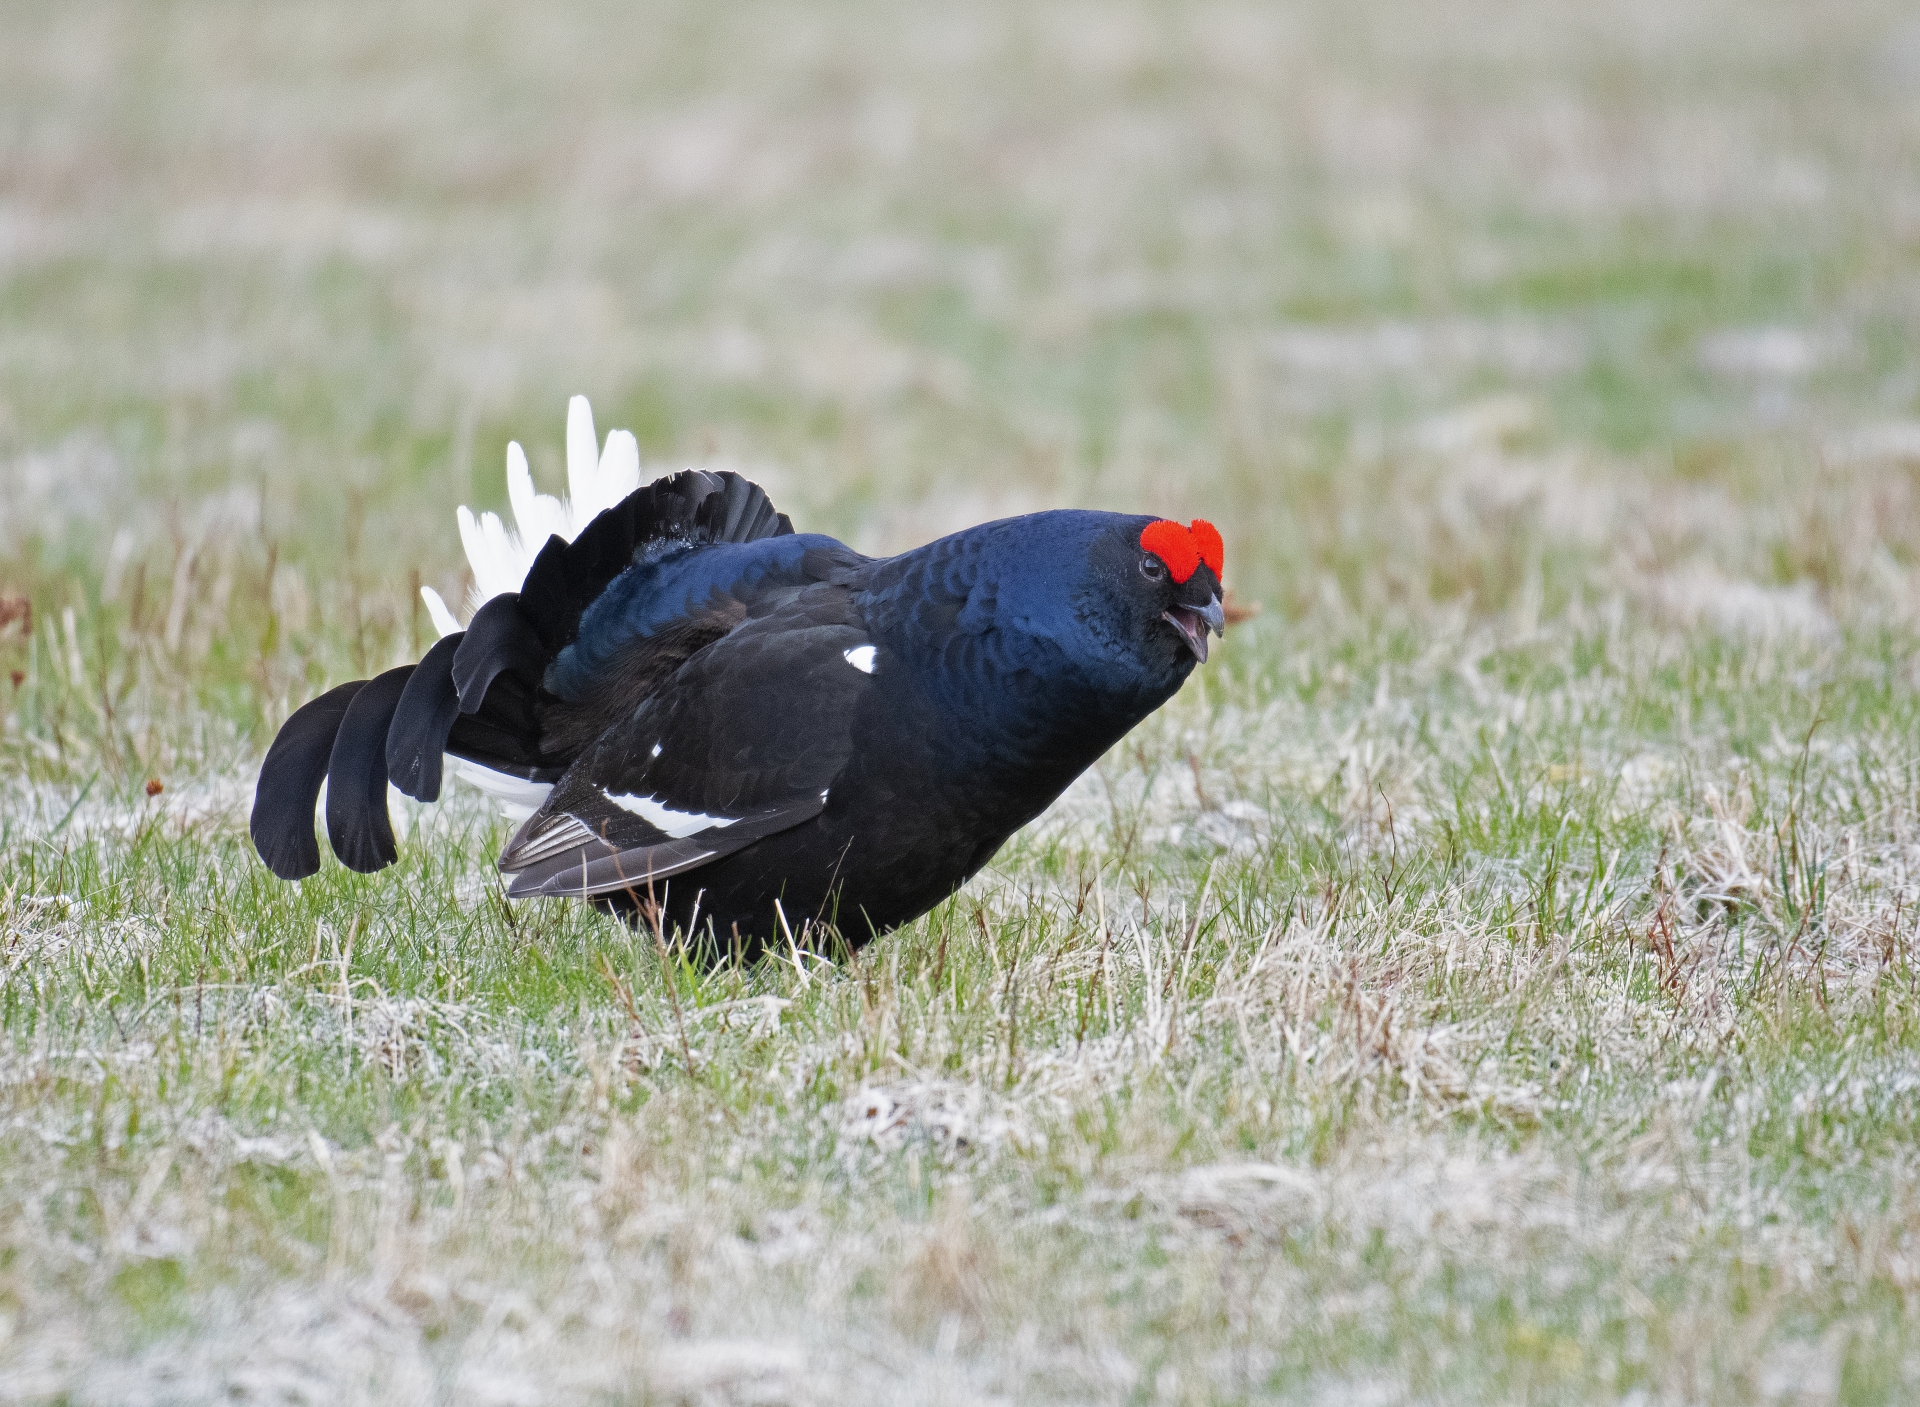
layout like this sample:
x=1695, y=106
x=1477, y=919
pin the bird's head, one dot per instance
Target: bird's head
x=1181, y=569
x=1148, y=597
x=1129, y=600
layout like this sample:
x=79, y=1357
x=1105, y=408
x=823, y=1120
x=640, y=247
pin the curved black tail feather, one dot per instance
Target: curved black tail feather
x=358, y=826
x=499, y=638
x=417, y=738
x=282, y=821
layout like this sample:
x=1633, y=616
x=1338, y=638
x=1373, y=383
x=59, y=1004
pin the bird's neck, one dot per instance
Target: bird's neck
x=999, y=690
x=1021, y=707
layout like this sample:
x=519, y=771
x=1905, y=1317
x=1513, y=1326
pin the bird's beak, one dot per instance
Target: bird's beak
x=1193, y=623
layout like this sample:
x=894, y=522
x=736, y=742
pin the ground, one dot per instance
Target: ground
x=1493, y=979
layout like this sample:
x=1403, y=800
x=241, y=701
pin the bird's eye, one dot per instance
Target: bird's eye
x=1152, y=568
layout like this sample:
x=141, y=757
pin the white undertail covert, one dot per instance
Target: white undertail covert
x=597, y=478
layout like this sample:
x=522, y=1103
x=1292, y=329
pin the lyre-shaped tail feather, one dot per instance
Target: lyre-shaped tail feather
x=499, y=555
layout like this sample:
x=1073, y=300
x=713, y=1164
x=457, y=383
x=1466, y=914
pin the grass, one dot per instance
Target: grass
x=1492, y=980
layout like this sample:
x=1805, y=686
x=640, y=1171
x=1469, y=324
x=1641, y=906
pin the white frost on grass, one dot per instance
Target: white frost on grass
x=1698, y=595
x=1238, y=1198
x=49, y=493
x=1780, y=353
x=1896, y=441
x=950, y=1118
x=1429, y=350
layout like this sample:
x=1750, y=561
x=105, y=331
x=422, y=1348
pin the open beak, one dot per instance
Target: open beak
x=1193, y=623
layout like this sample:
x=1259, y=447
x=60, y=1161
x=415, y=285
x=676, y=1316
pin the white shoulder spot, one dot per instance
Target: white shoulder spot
x=860, y=657
x=656, y=750
x=666, y=820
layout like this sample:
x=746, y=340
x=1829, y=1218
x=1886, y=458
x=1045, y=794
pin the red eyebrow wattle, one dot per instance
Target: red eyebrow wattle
x=1206, y=538
x=1173, y=545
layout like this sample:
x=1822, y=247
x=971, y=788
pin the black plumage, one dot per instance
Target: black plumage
x=417, y=738
x=500, y=638
x=754, y=732
x=290, y=778
x=358, y=827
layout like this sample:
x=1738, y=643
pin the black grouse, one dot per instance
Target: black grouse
x=760, y=732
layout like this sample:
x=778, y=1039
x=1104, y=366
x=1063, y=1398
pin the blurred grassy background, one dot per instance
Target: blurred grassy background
x=921, y=263
x=1499, y=980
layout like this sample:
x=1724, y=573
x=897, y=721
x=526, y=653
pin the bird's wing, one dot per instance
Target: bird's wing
x=746, y=739
x=484, y=696
x=654, y=617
